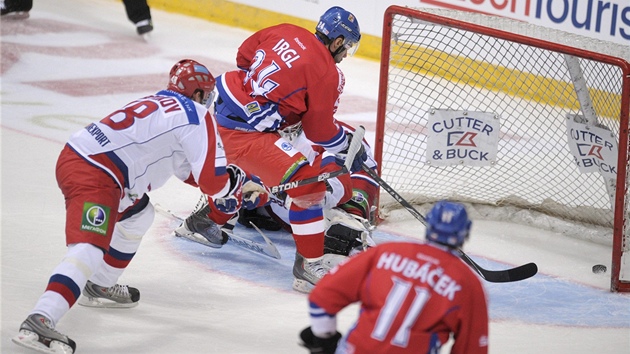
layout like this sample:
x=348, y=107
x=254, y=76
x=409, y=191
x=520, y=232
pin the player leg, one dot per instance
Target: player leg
x=92, y=199
x=276, y=162
x=139, y=13
x=16, y=9
x=348, y=224
x=102, y=289
x=306, y=217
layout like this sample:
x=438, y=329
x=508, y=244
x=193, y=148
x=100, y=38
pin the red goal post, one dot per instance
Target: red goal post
x=496, y=112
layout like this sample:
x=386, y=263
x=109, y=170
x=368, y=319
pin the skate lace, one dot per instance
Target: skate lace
x=48, y=324
x=118, y=291
x=316, y=268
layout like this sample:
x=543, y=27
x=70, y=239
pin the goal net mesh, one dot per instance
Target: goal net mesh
x=528, y=87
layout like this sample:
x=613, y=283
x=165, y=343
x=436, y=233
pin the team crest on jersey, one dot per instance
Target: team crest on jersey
x=358, y=197
x=286, y=146
x=252, y=107
x=95, y=218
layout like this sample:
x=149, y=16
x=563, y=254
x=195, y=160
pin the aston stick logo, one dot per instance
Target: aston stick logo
x=283, y=187
x=323, y=177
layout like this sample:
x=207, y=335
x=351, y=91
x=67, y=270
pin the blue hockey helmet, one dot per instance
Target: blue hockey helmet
x=448, y=224
x=337, y=22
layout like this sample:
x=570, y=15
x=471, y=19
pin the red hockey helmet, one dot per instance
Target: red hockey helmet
x=188, y=76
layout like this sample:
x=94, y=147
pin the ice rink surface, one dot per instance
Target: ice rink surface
x=74, y=62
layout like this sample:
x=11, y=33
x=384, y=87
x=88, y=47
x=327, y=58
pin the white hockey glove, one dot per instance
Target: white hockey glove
x=255, y=194
x=359, y=158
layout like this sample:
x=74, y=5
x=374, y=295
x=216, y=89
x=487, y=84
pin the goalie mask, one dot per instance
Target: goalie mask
x=189, y=76
x=448, y=224
x=337, y=22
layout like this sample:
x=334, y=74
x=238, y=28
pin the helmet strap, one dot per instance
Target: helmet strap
x=338, y=50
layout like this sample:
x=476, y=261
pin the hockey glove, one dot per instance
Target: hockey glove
x=255, y=194
x=358, y=159
x=318, y=345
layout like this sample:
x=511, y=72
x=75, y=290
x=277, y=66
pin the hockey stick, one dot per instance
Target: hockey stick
x=267, y=249
x=354, y=147
x=494, y=276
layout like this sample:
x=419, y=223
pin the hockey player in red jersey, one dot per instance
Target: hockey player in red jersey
x=413, y=296
x=288, y=77
x=345, y=221
x=105, y=172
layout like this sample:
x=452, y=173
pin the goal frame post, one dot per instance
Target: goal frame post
x=620, y=199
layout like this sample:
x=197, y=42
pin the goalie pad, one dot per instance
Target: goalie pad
x=259, y=217
x=346, y=234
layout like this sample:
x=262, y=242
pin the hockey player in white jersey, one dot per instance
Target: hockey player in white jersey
x=105, y=172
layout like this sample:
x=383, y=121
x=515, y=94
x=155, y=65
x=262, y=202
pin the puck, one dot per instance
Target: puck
x=599, y=268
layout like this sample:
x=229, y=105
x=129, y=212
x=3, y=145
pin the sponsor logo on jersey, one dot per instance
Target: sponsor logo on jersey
x=252, y=107
x=299, y=43
x=98, y=134
x=95, y=218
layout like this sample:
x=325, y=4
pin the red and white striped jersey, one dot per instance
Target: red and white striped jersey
x=149, y=140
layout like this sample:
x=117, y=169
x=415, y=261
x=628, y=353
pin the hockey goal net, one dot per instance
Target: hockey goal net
x=491, y=111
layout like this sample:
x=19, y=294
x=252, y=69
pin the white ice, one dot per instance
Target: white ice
x=74, y=62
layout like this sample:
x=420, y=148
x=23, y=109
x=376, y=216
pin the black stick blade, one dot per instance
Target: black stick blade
x=502, y=276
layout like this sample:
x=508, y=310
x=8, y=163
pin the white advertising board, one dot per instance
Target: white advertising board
x=607, y=20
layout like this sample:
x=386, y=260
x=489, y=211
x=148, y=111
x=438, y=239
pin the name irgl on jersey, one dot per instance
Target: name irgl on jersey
x=288, y=55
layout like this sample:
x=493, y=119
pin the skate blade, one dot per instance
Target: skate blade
x=302, y=286
x=17, y=15
x=191, y=236
x=104, y=303
x=30, y=340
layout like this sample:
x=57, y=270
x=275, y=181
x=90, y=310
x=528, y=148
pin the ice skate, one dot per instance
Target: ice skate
x=117, y=296
x=38, y=333
x=307, y=273
x=199, y=228
x=144, y=27
x=14, y=15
